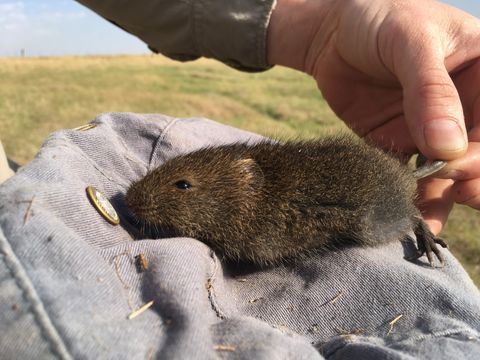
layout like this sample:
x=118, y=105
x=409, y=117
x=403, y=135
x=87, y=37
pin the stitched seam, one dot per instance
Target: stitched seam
x=72, y=146
x=47, y=330
x=126, y=153
x=159, y=140
x=256, y=39
x=443, y=333
x=211, y=289
x=261, y=34
x=438, y=334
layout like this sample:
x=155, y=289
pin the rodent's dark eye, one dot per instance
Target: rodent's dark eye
x=183, y=185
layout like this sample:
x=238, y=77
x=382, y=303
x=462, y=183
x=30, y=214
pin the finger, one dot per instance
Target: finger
x=465, y=168
x=435, y=202
x=433, y=109
x=467, y=193
x=466, y=80
x=393, y=136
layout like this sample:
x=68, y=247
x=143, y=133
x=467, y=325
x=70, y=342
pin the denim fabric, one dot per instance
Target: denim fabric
x=68, y=278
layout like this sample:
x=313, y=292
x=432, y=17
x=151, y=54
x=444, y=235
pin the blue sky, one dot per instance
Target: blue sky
x=64, y=27
x=60, y=27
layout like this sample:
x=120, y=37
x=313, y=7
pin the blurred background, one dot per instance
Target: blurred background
x=61, y=65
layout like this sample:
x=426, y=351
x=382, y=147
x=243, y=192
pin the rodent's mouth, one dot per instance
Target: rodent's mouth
x=144, y=212
x=147, y=220
x=154, y=230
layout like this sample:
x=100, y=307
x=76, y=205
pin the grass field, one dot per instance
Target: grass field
x=39, y=96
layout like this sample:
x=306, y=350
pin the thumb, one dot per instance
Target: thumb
x=432, y=106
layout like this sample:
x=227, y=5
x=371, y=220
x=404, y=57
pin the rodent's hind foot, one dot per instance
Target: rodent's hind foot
x=427, y=243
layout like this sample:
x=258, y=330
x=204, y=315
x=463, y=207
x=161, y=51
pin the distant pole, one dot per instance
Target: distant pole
x=22, y=52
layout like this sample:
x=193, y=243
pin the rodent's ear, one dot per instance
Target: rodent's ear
x=250, y=171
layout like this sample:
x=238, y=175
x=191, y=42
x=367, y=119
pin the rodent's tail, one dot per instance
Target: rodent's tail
x=427, y=167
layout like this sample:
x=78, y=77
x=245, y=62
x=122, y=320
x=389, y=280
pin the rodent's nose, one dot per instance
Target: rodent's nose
x=137, y=201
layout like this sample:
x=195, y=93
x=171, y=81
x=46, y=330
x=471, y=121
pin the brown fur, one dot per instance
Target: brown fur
x=270, y=201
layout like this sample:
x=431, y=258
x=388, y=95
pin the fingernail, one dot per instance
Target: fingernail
x=452, y=174
x=444, y=135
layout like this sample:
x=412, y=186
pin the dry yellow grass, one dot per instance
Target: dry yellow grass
x=40, y=95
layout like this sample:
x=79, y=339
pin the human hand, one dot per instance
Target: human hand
x=403, y=74
x=5, y=171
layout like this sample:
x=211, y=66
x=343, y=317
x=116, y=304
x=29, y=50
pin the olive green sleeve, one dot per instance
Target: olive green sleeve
x=232, y=31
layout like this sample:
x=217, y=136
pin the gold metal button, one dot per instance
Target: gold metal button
x=85, y=127
x=103, y=206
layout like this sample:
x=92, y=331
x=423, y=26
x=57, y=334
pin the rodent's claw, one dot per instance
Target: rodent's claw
x=433, y=248
x=419, y=254
x=425, y=167
x=439, y=256
x=427, y=243
x=441, y=242
x=429, y=257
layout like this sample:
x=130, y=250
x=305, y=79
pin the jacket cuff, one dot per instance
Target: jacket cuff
x=232, y=31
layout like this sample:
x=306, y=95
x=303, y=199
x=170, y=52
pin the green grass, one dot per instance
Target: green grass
x=39, y=96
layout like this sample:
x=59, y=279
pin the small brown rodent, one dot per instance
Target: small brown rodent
x=270, y=201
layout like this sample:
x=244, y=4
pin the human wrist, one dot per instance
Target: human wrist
x=294, y=24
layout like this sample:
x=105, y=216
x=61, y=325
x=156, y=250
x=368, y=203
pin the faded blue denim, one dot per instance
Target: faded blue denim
x=68, y=279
